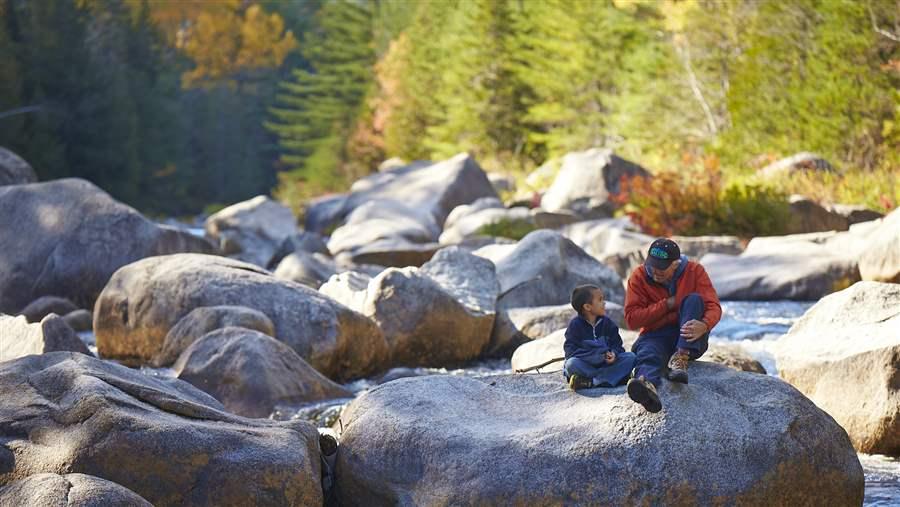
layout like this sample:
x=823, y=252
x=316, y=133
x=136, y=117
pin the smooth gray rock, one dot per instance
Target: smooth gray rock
x=70, y=490
x=728, y=438
x=323, y=214
x=80, y=320
x=781, y=269
x=67, y=237
x=587, y=180
x=253, y=230
x=14, y=170
x=880, y=258
x=472, y=224
x=302, y=242
x=144, y=300
x=45, y=305
x=305, y=268
x=202, y=320
x=251, y=373
x=464, y=210
x=18, y=338
x=544, y=267
x=438, y=315
x=844, y=353
x=396, y=252
x=161, y=438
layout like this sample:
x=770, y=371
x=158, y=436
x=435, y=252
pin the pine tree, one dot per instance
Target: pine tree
x=318, y=107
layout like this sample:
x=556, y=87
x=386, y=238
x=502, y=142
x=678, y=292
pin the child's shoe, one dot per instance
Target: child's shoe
x=578, y=382
x=678, y=365
x=643, y=392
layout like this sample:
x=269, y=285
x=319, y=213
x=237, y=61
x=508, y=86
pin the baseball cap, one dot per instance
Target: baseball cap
x=662, y=253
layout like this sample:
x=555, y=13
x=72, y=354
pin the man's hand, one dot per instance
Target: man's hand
x=693, y=329
x=610, y=357
x=670, y=302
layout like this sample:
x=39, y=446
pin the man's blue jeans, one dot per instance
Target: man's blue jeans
x=654, y=348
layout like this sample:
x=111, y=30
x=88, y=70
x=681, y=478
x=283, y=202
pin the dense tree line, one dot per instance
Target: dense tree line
x=174, y=105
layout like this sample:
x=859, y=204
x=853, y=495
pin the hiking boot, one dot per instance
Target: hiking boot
x=678, y=365
x=643, y=392
x=578, y=382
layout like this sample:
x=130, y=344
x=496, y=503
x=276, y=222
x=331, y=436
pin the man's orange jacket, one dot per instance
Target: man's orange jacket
x=645, y=300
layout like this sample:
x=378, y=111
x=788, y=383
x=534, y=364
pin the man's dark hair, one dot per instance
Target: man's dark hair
x=582, y=296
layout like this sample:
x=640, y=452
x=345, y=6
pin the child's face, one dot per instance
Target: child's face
x=597, y=306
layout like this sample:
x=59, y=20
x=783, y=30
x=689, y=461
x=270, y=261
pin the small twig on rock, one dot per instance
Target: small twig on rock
x=532, y=368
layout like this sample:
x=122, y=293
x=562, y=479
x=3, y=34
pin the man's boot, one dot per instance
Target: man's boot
x=644, y=392
x=678, y=366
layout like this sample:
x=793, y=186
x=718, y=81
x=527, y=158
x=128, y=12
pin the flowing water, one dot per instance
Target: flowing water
x=755, y=325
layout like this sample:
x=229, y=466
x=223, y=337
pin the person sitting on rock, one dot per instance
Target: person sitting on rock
x=673, y=302
x=594, y=353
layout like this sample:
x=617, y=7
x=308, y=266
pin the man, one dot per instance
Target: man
x=673, y=303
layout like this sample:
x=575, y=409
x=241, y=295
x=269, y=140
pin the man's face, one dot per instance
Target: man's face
x=662, y=276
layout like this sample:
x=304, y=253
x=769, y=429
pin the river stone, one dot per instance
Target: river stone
x=880, y=259
x=14, y=170
x=530, y=440
x=464, y=210
x=70, y=490
x=544, y=267
x=310, y=269
x=844, y=353
x=45, y=305
x=304, y=242
x=781, y=269
x=253, y=230
x=550, y=347
x=807, y=215
x=251, y=373
x=80, y=320
x=438, y=315
x=144, y=300
x=473, y=223
x=161, y=438
x=323, y=214
x=516, y=326
x=394, y=252
x=67, y=237
x=586, y=182
x=204, y=319
x=18, y=338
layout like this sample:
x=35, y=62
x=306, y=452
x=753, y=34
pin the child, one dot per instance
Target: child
x=594, y=353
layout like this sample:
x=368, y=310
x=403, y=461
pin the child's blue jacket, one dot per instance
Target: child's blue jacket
x=591, y=343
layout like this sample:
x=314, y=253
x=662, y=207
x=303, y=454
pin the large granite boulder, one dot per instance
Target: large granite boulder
x=516, y=326
x=727, y=438
x=144, y=300
x=880, y=258
x=781, y=268
x=251, y=373
x=438, y=315
x=464, y=210
x=14, y=170
x=313, y=269
x=67, y=237
x=18, y=338
x=544, y=267
x=204, y=319
x=302, y=242
x=70, y=490
x=844, y=353
x=252, y=231
x=429, y=188
x=543, y=350
x=586, y=182
x=161, y=438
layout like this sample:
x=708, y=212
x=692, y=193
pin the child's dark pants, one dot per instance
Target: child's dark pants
x=654, y=348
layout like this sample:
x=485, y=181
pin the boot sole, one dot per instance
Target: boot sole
x=639, y=393
x=680, y=376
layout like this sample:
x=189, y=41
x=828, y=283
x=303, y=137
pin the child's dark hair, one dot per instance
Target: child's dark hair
x=582, y=296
